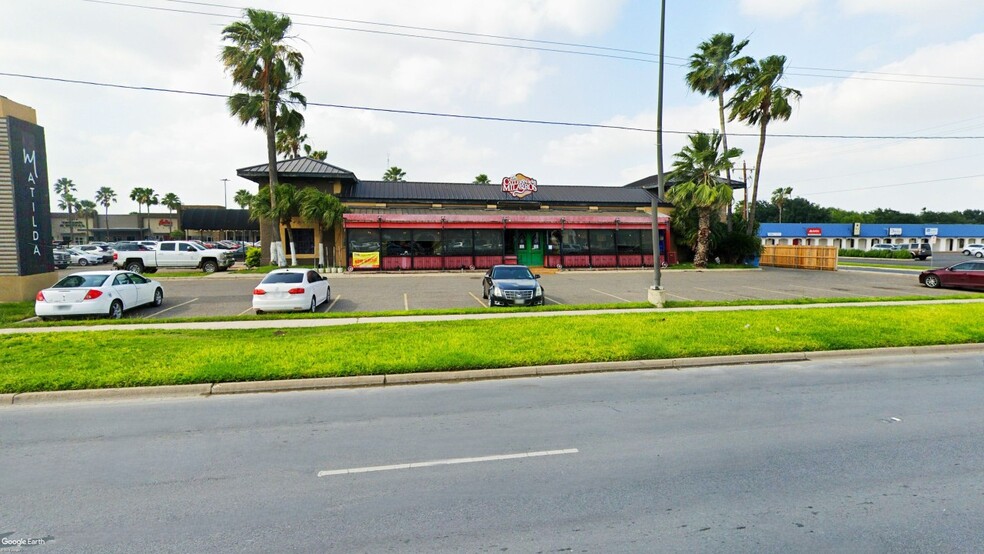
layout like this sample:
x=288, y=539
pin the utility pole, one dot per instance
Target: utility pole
x=657, y=295
x=225, y=195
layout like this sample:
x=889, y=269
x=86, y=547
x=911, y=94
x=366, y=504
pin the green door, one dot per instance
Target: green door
x=529, y=248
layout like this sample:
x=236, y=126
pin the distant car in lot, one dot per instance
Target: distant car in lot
x=107, y=293
x=965, y=275
x=62, y=258
x=921, y=250
x=291, y=289
x=883, y=247
x=512, y=285
x=83, y=258
x=974, y=250
x=102, y=251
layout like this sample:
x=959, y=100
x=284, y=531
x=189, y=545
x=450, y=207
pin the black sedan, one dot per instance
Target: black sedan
x=965, y=275
x=512, y=285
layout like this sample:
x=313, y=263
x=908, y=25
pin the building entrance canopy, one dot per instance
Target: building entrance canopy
x=501, y=220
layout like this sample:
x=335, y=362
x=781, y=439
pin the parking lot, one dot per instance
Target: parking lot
x=227, y=294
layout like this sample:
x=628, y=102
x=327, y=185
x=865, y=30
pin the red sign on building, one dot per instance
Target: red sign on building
x=813, y=231
x=519, y=185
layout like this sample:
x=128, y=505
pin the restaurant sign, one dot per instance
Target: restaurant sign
x=519, y=185
x=814, y=231
x=365, y=260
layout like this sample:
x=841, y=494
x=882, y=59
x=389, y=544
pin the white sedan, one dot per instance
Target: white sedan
x=84, y=258
x=108, y=293
x=291, y=290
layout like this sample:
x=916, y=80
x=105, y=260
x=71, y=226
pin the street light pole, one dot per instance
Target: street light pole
x=657, y=296
x=225, y=195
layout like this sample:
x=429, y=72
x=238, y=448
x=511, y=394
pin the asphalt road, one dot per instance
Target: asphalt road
x=881, y=454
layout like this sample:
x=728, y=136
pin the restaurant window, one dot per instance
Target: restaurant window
x=426, y=242
x=602, y=241
x=628, y=242
x=396, y=242
x=303, y=241
x=575, y=241
x=646, y=241
x=457, y=242
x=363, y=240
x=488, y=242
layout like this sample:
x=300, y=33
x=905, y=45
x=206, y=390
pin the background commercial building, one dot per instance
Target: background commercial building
x=862, y=236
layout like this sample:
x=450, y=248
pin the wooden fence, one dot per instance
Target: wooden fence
x=801, y=257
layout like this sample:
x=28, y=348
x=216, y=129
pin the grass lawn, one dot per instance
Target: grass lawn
x=59, y=361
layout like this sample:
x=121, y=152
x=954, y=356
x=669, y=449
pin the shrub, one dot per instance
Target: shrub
x=735, y=246
x=253, y=257
x=177, y=234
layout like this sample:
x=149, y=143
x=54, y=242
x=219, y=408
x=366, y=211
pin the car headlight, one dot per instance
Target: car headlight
x=496, y=290
x=538, y=291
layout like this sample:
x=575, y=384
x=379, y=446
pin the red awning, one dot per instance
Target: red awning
x=498, y=221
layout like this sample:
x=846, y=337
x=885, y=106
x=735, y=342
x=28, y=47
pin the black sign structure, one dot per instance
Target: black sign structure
x=32, y=213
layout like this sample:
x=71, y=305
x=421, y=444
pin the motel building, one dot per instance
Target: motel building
x=409, y=226
x=863, y=236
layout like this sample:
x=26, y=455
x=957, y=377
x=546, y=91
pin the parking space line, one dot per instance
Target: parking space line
x=477, y=299
x=244, y=312
x=450, y=461
x=612, y=295
x=727, y=293
x=332, y=304
x=552, y=300
x=773, y=291
x=406, y=302
x=678, y=296
x=167, y=309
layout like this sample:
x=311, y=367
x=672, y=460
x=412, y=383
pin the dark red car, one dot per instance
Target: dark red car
x=965, y=275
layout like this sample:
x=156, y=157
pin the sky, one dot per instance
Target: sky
x=871, y=74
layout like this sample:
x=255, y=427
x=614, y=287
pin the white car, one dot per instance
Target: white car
x=291, y=290
x=884, y=247
x=974, y=250
x=108, y=293
x=84, y=258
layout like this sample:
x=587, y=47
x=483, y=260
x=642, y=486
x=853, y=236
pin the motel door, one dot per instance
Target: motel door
x=529, y=248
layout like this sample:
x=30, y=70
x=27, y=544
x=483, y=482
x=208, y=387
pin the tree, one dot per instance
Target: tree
x=698, y=186
x=779, y=198
x=319, y=155
x=481, y=179
x=323, y=209
x=243, y=198
x=284, y=207
x=144, y=196
x=104, y=197
x=394, y=174
x=289, y=137
x=87, y=209
x=758, y=100
x=715, y=69
x=262, y=63
x=173, y=203
x=65, y=189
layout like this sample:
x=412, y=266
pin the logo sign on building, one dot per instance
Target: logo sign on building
x=895, y=231
x=814, y=231
x=857, y=229
x=365, y=260
x=32, y=214
x=774, y=234
x=519, y=185
x=164, y=222
x=931, y=231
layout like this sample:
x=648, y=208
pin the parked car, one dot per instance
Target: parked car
x=290, y=289
x=967, y=275
x=920, y=250
x=108, y=293
x=83, y=258
x=62, y=258
x=512, y=285
x=173, y=253
x=103, y=252
x=883, y=247
x=974, y=250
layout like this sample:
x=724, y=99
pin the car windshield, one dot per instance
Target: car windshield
x=283, y=278
x=74, y=281
x=511, y=273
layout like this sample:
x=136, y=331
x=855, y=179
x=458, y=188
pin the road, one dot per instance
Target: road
x=225, y=294
x=880, y=454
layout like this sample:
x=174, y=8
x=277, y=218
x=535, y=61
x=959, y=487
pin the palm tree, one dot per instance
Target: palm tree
x=696, y=169
x=143, y=196
x=173, y=203
x=779, y=198
x=87, y=209
x=319, y=155
x=394, y=174
x=283, y=209
x=65, y=188
x=481, y=179
x=243, y=198
x=758, y=100
x=323, y=209
x=262, y=63
x=714, y=70
x=104, y=197
x=289, y=138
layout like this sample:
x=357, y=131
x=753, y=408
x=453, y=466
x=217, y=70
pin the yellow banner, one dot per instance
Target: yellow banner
x=365, y=260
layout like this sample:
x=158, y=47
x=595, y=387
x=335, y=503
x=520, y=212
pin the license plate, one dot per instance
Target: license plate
x=519, y=301
x=62, y=307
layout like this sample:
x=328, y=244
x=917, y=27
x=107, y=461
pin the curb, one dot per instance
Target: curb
x=360, y=381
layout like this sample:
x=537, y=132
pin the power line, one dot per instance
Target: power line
x=482, y=117
x=853, y=189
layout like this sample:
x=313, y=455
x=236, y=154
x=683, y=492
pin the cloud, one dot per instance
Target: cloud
x=777, y=9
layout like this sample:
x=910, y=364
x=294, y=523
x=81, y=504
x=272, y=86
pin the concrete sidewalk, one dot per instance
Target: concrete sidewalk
x=212, y=389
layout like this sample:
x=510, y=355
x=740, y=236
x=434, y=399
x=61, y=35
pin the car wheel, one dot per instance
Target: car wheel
x=328, y=295
x=932, y=281
x=491, y=301
x=83, y=261
x=210, y=267
x=116, y=310
x=485, y=293
x=980, y=254
x=158, y=297
x=135, y=267
x=259, y=312
x=314, y=304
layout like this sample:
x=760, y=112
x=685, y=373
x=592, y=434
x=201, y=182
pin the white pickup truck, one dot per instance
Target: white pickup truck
x=174, y=253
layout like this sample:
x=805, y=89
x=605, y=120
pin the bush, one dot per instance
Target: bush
x=735, y=247
x=177, y=234
x=886, y=254
x=253, y=257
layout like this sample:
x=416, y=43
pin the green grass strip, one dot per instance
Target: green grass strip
x=61, y=361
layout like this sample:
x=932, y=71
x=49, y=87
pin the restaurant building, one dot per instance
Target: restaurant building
x=443, y=226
